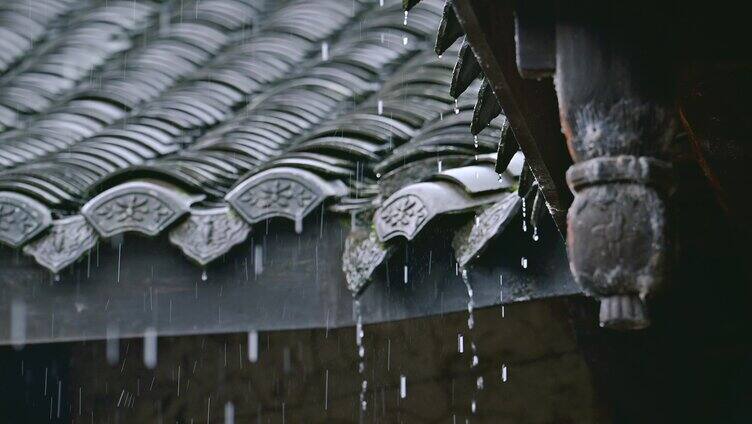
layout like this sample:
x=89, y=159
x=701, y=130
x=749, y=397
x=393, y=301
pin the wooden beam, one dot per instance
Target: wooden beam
x=530, y=106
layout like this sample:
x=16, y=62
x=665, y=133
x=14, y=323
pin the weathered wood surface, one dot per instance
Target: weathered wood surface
x=530, y=106
x=146, y=283
x=616, y=100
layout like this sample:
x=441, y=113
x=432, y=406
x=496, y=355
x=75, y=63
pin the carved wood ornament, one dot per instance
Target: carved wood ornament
x=616, y=94
x=614, y=77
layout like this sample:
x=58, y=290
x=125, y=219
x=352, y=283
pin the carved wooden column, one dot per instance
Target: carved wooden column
x=614, y=81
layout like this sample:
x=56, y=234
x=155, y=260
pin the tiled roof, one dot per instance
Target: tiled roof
x=196, y=120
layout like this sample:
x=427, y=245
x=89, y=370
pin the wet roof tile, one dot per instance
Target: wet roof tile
x=199, y=119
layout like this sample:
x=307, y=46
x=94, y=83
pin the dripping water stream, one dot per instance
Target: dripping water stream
x=475, y=361
x=361, y=356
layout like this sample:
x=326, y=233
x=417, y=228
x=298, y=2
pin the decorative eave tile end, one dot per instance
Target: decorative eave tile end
x=282, y=192
x=407, y=211
x=362, y=255
x=209, y=233
x=145, y=207
x=489, y=223
x=21, y=218
x=68, y=239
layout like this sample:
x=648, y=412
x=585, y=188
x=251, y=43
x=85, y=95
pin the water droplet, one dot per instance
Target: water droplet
x=503, y=373
x=229, y=413
x=204, y=277
x=403, y=386
x=380, y=107
x=523, y=262
x=440, y=164
x=363, y=387
x=112, y=345
x=460, y=343
x=404, y=21
x=18, y=323
x=472, y=406
x=479, y=383
x=258, y=260
x=253, y=346
x=405, y=272
x=404, y=41
x=150, y=348
x=324, y=51
x=475, y=141
x=456, y=107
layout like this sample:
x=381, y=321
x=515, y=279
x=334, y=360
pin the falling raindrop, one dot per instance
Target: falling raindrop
x=229, y=413
x=403, y=386
x=286, y=363
x=456, y=107
x=475, y=141
x=501, y=294
x=404, y=41
x=405, y=274
x=503, y=373
x=326, y=390
x=363, y=403
x=258, y=260
x=473, y=406
x=253, y=346
x=120, y=250
x=460, y=343
x=324, y=51
x=150, y=348
x=112, y=345
x=18, y=323
x=298, y=225
x=535, y=233
x=361, y=350
x=404, y=21
x=380, y=107
x=470, y=300
x=204, y=277
x=440, y=164
x=479, y=383
x=381, y=3
x=524, y=215
x=523, y=262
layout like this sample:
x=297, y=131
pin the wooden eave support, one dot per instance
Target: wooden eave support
x=530, y=106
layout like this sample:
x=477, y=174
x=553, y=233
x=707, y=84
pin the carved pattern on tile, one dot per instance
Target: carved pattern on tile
x=403, y=215
x=208, y=234
x=21, y=218
x=362, y=255
x=469, y=242
x=145, y=207
x=67, y=240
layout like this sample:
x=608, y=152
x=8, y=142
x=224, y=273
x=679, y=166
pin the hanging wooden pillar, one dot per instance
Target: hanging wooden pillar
x=614, y=81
